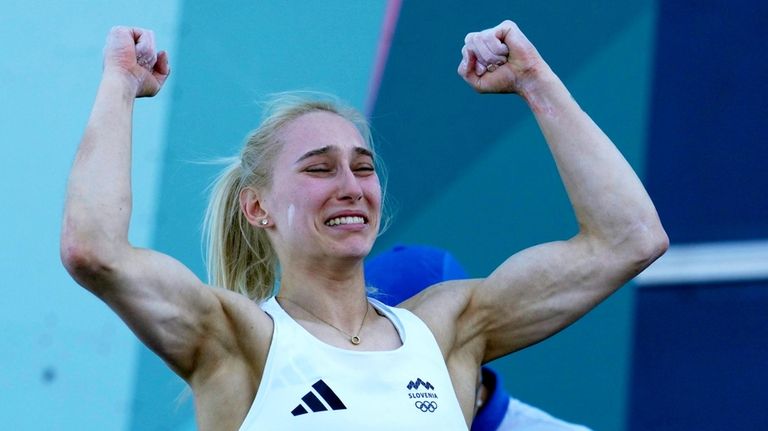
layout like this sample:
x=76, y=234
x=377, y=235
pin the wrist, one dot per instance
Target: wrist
x=121, y=81
x=534, y=80
x=540, y=88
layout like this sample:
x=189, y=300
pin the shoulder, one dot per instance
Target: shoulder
x=232, y=360
x=243, y=319
x=446, y=309
x=239, y=332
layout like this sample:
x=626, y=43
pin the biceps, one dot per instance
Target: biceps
x=540, y=291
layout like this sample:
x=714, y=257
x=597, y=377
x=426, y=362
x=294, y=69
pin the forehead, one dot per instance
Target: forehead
x=319, y=129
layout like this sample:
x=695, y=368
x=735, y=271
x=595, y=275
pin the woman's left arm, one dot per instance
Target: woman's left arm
x=540, y=290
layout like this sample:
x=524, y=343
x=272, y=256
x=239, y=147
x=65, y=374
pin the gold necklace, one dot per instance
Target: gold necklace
x=354, y=339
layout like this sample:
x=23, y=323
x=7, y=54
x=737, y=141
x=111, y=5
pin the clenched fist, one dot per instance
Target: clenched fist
x=499, y=60
x=130, y=51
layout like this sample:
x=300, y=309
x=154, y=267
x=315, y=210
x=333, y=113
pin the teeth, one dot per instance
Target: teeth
x=345, y=220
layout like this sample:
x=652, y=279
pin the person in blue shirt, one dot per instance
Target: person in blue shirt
x=402, y=272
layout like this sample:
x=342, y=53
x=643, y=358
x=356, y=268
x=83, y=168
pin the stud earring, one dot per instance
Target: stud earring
x=263, y=222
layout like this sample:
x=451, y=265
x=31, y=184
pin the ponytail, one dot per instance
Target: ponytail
x=239, y=256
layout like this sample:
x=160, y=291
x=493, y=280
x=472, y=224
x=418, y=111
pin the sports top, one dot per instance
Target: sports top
x=308, y=384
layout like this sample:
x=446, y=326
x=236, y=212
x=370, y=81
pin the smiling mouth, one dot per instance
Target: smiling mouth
x=346, y=220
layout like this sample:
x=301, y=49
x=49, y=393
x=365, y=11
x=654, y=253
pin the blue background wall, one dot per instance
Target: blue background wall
x=467, y=172
x=700, y=343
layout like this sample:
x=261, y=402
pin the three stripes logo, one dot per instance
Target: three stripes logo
x=424, y=398
x=312, y=400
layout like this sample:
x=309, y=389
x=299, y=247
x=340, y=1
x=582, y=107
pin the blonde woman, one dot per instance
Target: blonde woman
x=305, y=197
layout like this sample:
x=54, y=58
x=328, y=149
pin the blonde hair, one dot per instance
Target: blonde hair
x=239, y=256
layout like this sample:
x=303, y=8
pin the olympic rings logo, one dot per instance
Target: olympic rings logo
x=426, y=406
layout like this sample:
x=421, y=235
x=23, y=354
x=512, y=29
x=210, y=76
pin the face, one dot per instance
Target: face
x=325, y=197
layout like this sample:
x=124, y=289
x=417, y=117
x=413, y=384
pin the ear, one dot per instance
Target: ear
x=250, y=205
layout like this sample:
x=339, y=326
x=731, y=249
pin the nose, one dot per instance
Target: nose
x=349, y=186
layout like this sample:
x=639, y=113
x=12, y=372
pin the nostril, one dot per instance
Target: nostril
x=352, y=197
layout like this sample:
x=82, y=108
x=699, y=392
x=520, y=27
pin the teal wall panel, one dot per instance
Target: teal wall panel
x=66, y=360
x=425, y=113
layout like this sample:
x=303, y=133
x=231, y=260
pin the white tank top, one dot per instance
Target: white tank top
x=310, y=385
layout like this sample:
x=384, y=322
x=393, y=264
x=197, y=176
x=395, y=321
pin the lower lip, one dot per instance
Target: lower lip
x=349, y=227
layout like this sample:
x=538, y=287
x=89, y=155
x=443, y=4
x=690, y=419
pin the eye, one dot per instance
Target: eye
x=364, y=169
x=317, y=169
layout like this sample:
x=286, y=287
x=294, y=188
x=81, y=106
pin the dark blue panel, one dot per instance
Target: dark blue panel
x=707, y=149
x=700, y=358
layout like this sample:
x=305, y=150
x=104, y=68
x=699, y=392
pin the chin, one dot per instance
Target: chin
x=354, y=251
x=359, y=253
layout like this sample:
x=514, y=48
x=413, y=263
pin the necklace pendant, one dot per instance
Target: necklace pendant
x=355, y=340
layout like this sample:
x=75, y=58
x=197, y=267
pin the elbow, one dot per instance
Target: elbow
x=80, y=262
x=85, y=262
x=75, y=258
x=647, y=244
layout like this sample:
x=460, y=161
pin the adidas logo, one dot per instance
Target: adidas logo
x=415, y=385
x=312, y=400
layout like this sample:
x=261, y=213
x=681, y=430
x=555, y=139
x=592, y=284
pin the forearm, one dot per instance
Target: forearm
x=608, y=198
x=540, y=290
x=98, y=202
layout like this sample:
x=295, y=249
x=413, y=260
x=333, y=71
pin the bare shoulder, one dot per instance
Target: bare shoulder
x=247, y=329
x=232, y=361
x=447, y=310
x=444, y=308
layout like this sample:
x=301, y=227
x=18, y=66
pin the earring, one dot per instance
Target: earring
x=264, y=222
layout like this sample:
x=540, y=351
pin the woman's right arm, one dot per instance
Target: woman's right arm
x=164, y=303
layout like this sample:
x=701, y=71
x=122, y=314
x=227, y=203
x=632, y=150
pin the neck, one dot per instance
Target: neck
x=336, y=295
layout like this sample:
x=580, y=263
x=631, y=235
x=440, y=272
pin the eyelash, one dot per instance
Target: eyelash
x=322, y=170
x=317, y=169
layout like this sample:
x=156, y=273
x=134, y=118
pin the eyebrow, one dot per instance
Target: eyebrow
x=332, y=148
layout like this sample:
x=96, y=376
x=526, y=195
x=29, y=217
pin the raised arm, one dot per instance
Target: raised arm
x=163, y=302
x=539, y=291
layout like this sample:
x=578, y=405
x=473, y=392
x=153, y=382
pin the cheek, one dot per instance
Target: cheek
x=374, y=192
x=301, y=205
x=291, y=211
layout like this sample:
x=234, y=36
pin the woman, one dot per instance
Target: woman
x=313, y=355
